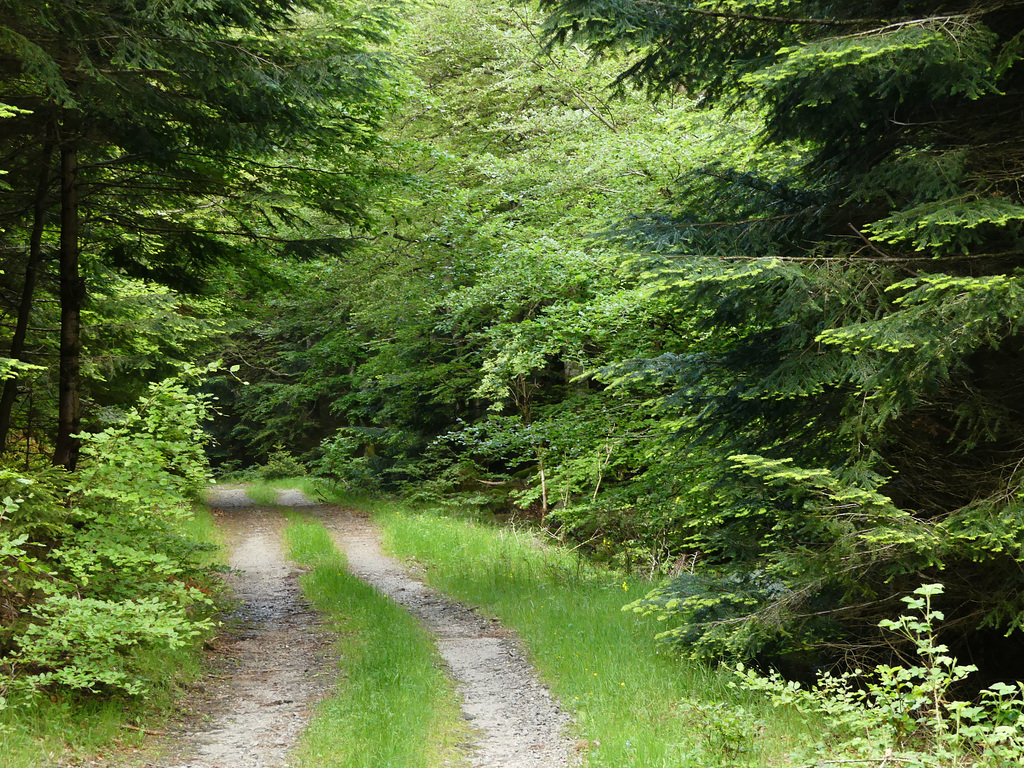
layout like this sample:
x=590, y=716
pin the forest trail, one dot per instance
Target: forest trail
x=518, y=723
x=276, y=657
x=279, y=661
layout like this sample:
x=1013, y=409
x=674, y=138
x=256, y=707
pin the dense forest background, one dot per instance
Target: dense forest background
x=727, y=292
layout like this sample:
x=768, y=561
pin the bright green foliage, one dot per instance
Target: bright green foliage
x=788, y=372
x=96, y=570
x=451, y=352
x=154, y=457
x=854, y=291
x=906, y=715
x=85, y=643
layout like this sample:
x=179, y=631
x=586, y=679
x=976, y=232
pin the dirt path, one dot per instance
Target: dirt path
x=518, y=723
x=278, y=657
x=279, y=662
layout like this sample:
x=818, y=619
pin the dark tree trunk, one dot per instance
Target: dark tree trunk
x=72, y=295
x=35, y=255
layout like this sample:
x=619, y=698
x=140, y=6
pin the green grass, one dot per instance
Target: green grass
x=394, y=707
x=308, y=485
x=63, y=726
x=634, y=704
x=41, y=732
x=261, y=493
x=265, y=491
x=202, y=527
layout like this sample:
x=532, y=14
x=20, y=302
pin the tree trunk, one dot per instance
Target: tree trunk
x=543, y=488
x=35, y=255
x=72, y=295
x=573, y=370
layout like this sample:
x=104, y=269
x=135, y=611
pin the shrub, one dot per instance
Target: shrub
x=281, y=464
x=96, y=571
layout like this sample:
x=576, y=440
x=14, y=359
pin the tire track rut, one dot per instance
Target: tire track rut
x=278, y=657
x=519, y=724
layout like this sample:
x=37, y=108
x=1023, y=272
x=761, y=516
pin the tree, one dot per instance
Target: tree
x=856, y=282
x=179, y=132
x=483, y=230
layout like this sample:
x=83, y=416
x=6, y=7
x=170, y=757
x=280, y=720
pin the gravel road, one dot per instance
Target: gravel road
x=277, y=661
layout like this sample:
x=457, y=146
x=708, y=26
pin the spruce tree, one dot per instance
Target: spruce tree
x=859, y=292
x=177, y=130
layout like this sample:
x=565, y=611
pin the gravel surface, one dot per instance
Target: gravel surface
x=277, y=661
x=278, y=657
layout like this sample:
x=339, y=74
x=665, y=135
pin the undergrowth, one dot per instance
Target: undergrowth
x=905, y=716
x=106, y=580
x=394, y=707
x=68, y=725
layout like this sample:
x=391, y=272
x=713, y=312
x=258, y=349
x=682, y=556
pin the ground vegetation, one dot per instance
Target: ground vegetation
x=152, y=155
x=723, y=293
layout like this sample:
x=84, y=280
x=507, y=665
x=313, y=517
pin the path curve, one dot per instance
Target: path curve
x=277, y=661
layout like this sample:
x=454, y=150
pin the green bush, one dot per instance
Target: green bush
x=281, y=464
x=96, y=569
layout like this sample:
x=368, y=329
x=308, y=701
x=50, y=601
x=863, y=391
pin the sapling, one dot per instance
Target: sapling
x=903, y=715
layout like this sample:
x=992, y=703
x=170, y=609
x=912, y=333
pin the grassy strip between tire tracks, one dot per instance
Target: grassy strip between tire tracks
x=394, y=707
x=635, y=705
x=264, y=492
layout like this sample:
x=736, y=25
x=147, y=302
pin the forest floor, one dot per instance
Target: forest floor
x=276, y=661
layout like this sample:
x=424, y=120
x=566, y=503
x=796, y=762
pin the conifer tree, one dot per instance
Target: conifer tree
x=859, y=293
x=176, y=130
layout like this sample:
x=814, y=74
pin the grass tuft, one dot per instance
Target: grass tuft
x=265, y=491
x=308, y=485
x=262, y=493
